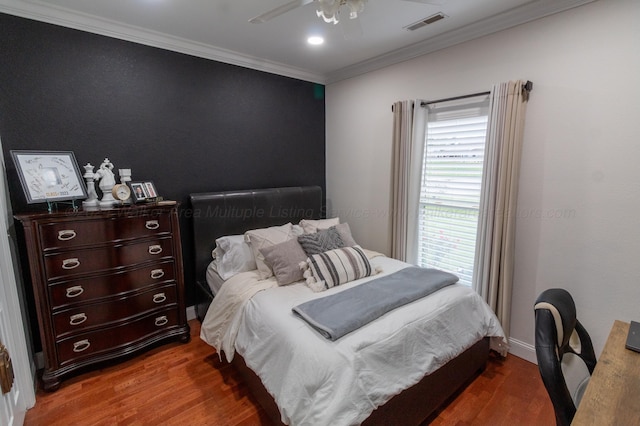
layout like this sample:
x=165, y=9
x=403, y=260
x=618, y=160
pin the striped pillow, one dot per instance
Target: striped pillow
x=335, y=267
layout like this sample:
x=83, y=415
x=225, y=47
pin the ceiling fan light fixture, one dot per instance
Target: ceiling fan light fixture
x=355, y=7
x=329, y=10
x=328, y=18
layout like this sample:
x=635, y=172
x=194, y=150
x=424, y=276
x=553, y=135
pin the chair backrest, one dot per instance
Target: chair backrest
x=564, y=352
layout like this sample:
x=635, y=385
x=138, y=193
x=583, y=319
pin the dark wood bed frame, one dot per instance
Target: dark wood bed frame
x=216, y=214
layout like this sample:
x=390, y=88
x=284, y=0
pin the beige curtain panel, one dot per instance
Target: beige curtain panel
x=409, y=131
x=401, y=159
x=493, y=274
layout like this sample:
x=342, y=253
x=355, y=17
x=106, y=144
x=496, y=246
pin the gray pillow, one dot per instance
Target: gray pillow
x=345, y=233
x=321, y=241
x=284, y=260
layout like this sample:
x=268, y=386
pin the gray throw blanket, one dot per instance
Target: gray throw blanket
x=338, y=314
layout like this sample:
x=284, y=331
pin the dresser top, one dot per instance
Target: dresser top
x=124, y=211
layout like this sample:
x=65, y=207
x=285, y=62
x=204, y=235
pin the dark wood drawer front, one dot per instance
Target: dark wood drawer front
x=70, y=263
x=98, y=342
x=78, y=291
x=60, y=235
x=99, y=314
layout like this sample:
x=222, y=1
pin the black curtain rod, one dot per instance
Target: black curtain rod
x=528, y=86
x=455, y=98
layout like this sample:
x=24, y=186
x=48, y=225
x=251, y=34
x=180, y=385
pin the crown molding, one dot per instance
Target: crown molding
x=494, y=24
x=71, y=19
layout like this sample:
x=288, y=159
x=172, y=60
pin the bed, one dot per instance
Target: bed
x=408, y=400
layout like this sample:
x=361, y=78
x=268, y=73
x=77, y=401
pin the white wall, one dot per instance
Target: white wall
x=579, y=201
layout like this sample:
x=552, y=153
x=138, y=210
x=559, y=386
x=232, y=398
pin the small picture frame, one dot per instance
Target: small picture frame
x=49, y=176
x=138, y=192
x=150, y=189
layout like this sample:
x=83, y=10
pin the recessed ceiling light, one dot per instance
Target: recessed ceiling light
x=315, y=40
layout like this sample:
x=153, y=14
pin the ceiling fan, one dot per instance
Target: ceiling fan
x=328, y=10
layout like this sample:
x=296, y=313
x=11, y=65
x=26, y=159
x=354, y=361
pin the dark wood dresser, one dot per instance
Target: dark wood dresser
x=107, y=284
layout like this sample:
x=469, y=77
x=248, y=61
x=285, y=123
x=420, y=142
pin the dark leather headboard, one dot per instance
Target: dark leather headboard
x=216, y=214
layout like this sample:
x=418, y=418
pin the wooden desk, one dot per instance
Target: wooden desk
x=613, y=394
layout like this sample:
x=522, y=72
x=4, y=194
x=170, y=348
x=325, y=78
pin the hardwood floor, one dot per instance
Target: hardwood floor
x=180, y=384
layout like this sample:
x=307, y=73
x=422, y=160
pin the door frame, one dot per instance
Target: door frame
x=23, y=366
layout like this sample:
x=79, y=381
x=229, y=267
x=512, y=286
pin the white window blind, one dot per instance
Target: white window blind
x=450, y=186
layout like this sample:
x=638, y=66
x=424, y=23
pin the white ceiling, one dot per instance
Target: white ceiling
x=220, y=29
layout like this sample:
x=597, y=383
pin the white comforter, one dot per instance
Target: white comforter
x=318, y=382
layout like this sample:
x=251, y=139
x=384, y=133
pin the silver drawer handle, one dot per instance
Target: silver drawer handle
x=70, y=263
x=66, y=234
x=81, y=345
x=159, y=298
x=77, y=319
x=75, y=291
x=160, y=321
x=157, y=273
x=152, y=224
x=155, y=249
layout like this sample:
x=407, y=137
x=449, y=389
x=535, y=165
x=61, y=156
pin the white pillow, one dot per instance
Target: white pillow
x=297, y=230
x=233, y=255
x=266, y=237
x=312, y=226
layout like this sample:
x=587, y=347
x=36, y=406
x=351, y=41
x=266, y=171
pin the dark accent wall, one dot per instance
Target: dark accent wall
x=186, y=123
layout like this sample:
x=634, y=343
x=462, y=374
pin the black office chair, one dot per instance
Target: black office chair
x=564, y=351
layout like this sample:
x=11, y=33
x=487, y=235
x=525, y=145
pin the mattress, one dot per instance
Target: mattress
x=214, y=280
x=315, y=381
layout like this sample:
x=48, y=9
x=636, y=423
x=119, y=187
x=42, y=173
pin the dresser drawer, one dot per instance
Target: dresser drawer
x=79, y=291
x=95, y=343
x=100, y=314
x=60, y=235
x=74, y=262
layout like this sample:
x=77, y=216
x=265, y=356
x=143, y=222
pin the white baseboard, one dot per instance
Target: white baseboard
x=523, y=350
x=191, y=313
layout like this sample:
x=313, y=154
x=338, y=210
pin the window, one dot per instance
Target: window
x=450, y=185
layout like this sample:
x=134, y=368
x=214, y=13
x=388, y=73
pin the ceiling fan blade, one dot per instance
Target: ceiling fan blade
x=279, y=11
x=434, y=2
